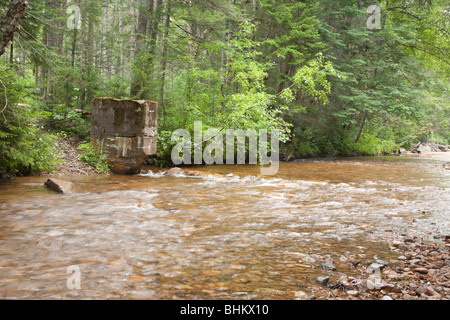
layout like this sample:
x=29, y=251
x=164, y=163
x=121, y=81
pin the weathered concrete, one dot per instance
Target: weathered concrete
x=126, y=131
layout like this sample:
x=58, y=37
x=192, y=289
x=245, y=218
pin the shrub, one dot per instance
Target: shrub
x=24, y=149
x=94, y=157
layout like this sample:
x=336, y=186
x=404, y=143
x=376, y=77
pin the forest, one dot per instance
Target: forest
x=335, y=77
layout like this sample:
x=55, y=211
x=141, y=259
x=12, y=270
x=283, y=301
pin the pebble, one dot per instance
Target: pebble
x=382, y=262
x=386, y=298
x=269, y=291
x=309, y=260
x=421, y=270
x=328, y=267
x=353, y=293
x=323, y=281
x=300, y=294
x=375, y=266
x=239, y=294
x=396, y=243
x=55, y=233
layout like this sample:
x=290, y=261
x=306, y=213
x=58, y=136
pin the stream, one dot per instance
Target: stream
x=227, y=234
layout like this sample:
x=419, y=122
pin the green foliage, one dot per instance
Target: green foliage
x=310, y=69
x=94, y=157
x=116, y=87
x=370, y=145
x=164, y=150
x=24, y=149
x=304, y=149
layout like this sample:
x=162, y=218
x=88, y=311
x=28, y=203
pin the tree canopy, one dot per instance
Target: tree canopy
x=316, y=70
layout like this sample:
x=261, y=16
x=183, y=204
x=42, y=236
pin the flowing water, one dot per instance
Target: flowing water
x=230, y=234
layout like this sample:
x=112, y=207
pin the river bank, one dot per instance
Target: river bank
x=70, y=163
x=420, y=272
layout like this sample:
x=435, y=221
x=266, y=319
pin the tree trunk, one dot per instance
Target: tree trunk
x=83, y=35
x=361, y=127
x=90, y=41
x=74, y=43
x=153, y=35
x=104, y=46
x=10, y=23
x=164, y=59
x=122, y=43
x=141, y=34
x=11, y=52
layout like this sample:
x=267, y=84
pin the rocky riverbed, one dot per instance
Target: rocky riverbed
x=421, y=272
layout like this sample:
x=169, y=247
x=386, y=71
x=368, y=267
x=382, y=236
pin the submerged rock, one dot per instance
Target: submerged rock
x=175, y=171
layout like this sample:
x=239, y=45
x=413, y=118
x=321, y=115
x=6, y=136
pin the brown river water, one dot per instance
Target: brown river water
x=233, y=236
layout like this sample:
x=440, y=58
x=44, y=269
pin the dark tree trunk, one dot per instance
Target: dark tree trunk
x=141, y=35
x=164, y=59
x=361, y=126
x=10, y=23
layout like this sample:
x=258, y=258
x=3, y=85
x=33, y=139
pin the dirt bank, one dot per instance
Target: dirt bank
x=67, y=151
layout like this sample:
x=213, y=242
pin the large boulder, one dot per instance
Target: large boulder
x=424, y=149
x=126, y=131
x=429, y=147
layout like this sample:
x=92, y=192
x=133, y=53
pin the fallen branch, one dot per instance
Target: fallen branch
x=6, y=97
x=84, y=113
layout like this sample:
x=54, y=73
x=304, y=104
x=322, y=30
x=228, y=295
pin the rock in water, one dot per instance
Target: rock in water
x=60, y=186
x=175, y=171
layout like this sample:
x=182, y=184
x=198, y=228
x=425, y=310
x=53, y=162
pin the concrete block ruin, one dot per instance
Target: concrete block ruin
x=126, y=131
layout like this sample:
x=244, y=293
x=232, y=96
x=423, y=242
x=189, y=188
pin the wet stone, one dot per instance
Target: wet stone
x=269, y=292
x=60, y=186
x=353, y=293
x=328, y=267
x=323, y=281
